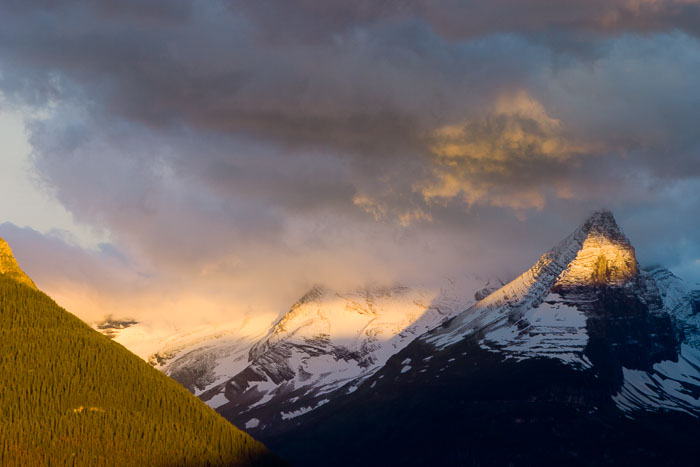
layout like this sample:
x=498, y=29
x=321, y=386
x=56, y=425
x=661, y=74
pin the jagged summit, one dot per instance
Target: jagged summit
x=604, y=254
x=603, y=222
x=9, y=266
x=596, y=254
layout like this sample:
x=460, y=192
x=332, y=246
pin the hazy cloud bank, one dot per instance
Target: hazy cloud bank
x=245, y=150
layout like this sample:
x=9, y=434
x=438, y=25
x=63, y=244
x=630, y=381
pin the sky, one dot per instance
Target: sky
x=196, y=161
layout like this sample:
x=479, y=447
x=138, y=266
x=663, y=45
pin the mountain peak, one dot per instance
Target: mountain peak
x=9, y=266
x=605, y=254
x=603, y=223
x=597, y=253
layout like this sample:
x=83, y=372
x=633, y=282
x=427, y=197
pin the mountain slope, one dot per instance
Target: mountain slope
x=597, y=253
x=593, y=307
x=200, y=357
x=261, y=376
x=578, y=361
x=70, y=395
x=486, y=411
x=327, y=344
x=681, y=301
x=587, y=303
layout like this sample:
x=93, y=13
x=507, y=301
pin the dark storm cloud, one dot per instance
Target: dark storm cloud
x=381, y=73
x=141, y=10
x=457, y=19
x=232, y=139
x=357, y=93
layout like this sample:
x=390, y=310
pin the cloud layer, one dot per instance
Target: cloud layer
x=245, y=150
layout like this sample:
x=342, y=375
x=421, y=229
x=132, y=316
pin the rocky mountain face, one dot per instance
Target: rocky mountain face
x=205, y=364
x=327, y=345
x=585, y=358
x=681, y=302
x=585, y=302
x=199, y=358
x=323, y=347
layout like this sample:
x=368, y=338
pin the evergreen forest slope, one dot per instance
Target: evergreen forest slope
x=70, y=396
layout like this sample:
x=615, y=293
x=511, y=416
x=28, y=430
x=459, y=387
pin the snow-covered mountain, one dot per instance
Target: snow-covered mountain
x=330, y=340
x=585, y=352
x=199, y=357
x=586, y=301
x=586, y=339
x=681, y=301
x=596, y=253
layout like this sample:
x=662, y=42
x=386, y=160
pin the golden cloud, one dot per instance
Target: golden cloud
x=381, y=210
x=495, y=159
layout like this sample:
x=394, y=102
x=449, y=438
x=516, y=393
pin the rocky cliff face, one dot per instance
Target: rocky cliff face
x=604, y=257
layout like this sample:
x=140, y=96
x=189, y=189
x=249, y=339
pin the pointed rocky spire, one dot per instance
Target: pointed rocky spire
x=9, y=266
x=597, y=253
x=603, y=223
x=605, y=256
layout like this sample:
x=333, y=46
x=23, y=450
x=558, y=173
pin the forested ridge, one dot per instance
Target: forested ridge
x=70, y=396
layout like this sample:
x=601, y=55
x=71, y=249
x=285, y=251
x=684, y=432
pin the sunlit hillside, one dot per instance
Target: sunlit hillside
x=71, y=396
